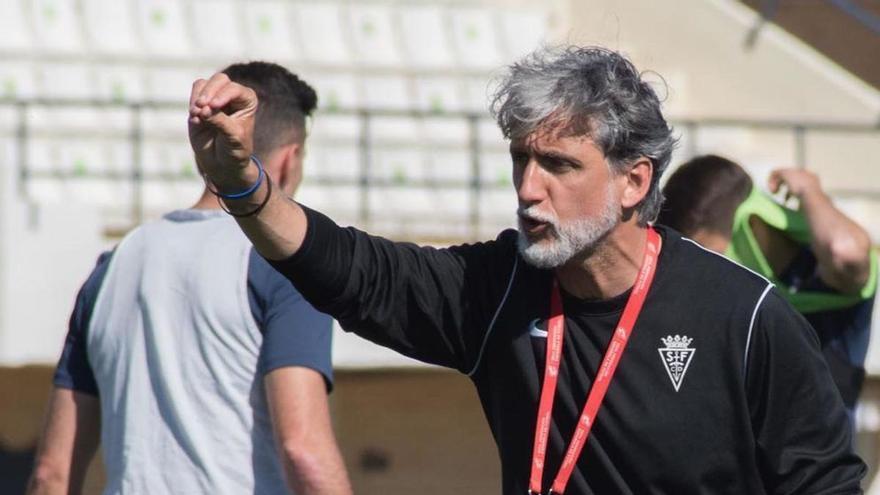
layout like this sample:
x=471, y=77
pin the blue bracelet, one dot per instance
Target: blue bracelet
x=248, y=191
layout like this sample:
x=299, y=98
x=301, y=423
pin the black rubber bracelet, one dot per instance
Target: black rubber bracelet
x=255, y=210
x=242, y=194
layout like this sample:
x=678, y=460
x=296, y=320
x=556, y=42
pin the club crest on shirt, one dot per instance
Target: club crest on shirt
x=676, y=356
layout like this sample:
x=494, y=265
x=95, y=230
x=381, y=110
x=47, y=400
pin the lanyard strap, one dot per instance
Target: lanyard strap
x=555, y=333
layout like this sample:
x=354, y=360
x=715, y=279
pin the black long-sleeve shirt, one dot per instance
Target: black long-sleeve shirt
x=741, y=402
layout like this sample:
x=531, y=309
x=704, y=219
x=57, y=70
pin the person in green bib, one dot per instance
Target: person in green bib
x=820, y=259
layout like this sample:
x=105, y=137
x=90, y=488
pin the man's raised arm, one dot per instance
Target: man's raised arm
x=221, y=129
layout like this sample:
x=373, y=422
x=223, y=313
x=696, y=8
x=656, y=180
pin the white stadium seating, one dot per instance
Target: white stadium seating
x=401, y=87
x=426, y=41
x=373, y=36
x=109, y=27
x=57, y=27
x=269, y=31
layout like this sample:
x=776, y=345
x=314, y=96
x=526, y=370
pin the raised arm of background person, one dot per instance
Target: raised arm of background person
x=297, y=399
x=221, y=128
x=841, y=246
x=70, y=439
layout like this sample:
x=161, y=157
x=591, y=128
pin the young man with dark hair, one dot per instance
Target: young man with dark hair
x=820, y=258
x=204, y=370
x=609, y=356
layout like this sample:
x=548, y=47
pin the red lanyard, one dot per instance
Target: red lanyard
x=603, y=377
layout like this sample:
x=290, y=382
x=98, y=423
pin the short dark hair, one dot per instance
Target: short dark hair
x=285, y=102
x=704, y=193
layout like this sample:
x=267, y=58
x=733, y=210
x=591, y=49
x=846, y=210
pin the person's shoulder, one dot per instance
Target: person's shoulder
x=505, y=240
x=99, y=271
x=265, y=279
x=689, y=260
x=501, y=249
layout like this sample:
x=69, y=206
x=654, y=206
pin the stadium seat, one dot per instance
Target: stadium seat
x=9, y=121
x=335, y=127
x=120, y=156
x=419, y=212
x=373, y=36
x=394, y=208
x=477, y=94
x=495, y=169
x=186, y=191
x=341, y=202
x=57, y=26
x=522, y=31
x=42, y=156
x=215, y=16
x=109, y=27
x=490, y=135
x=84, y=118
x=164, y=122
x=438, y=94
x=65, y=80
x=475, y=38
x=119, y=83
x=9, y=152
x=336, y=163
x=394, y=130
x=398, y=165
x=426, y=42
x=167, y=159
x=322, y=34
x=173, y=84
x=43, y=190
x=15, y=33
x=163, y=27
x=79, y=157
x=268, y=31
x=95, y=191
x=157, y=196
x=448, y=131
x=497, y=210
x=386, y=93
x=449, y=165
x=335, y=91
x=17, y=80
x=396, y=156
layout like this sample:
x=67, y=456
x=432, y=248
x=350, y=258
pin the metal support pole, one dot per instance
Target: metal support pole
x=475, y=183
x=137, y=171
x=800, y=146
x=365, y=146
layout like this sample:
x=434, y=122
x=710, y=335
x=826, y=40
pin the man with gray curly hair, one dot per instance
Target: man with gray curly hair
x=672, y=369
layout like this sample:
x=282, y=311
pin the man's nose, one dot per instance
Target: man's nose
x=530, y=187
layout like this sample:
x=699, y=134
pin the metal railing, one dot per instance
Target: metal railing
x=365, y=179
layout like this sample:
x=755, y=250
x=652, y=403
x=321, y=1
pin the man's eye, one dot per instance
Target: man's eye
x=519, y=158
x=555, y=165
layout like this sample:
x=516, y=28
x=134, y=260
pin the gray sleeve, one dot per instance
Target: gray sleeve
x=294, y=332
x=73, y=370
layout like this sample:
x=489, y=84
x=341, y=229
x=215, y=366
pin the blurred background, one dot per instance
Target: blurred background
x=93, y=142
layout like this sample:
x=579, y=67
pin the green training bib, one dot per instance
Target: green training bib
x=744, y=249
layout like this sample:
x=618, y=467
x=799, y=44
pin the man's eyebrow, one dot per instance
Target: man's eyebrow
x=557, y=155
x=546, y=154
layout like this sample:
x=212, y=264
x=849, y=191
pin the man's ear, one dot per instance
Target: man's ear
x=291, y=173
x=636, y=182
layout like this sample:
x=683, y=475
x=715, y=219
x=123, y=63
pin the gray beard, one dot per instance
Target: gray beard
x=568, y=240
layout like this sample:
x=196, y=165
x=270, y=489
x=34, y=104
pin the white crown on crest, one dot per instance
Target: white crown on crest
x=677, y=342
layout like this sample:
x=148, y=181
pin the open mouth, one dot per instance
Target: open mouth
x=532, y=227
